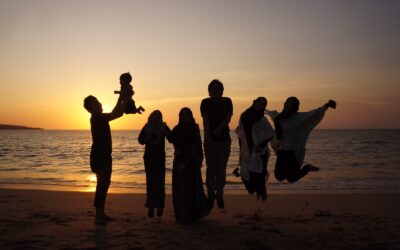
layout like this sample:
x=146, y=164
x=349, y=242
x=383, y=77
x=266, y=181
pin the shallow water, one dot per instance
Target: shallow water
x=59, y=160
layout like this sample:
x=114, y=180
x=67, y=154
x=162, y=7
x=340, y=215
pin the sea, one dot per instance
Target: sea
x=349, y=161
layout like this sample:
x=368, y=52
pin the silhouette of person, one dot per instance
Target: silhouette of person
x=100, y=155
x=216, y=112
x=292, y=129
x=189, y=200
x=127, y=90
x=254, y=132
x=153, y=135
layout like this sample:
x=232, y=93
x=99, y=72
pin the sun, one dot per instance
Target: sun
x=92, y=178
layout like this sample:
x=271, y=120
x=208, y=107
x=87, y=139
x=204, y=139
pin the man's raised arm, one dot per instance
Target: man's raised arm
x=119, y=108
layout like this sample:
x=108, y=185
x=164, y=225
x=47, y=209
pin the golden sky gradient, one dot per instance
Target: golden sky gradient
x=55, y=53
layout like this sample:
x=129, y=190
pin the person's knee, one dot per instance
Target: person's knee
x=279, y=176
x=292, y=178
x=105, y=182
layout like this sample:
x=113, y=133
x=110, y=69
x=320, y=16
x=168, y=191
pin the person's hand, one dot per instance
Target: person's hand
x=331, y=104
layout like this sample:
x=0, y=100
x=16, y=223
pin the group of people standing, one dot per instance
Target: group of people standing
x=190, y=201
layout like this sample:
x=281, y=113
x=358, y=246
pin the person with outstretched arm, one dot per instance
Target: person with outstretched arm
x=100, y=155
x=292, y=129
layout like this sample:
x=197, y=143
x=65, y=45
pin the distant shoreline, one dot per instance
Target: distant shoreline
x=17, y=127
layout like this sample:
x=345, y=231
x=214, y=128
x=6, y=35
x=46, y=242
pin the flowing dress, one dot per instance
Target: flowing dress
x=253, y=165
x=189, y=200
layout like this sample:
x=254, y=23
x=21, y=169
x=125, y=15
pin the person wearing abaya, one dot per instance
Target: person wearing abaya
x=292, y=130
x=254, y=132
x=153, y=136
x=189, y=200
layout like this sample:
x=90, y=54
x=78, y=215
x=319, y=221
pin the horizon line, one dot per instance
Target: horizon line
x=42, y=129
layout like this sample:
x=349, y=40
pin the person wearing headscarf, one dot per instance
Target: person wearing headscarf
x=292, y=130
x=189, y=200
x=254, y=132
x=153, y=136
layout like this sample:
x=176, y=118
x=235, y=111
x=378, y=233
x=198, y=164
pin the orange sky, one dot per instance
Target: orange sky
x=54, y=53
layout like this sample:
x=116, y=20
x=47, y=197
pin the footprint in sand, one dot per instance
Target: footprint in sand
x=90, y=213
x=256, y=228
x=40, y=215
x=129, y=233
x=60, y=221
x=273, y=231
x=338, y=229
x=55, y=219
x=255, y=244
x=323, y=213
x=136, y=248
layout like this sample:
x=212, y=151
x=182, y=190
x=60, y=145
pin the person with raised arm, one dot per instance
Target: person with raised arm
x=292, y=130
x=100, y=154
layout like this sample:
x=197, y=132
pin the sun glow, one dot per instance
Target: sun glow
x=92, y=178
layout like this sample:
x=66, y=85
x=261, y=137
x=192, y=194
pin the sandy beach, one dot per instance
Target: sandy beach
x=31, y=219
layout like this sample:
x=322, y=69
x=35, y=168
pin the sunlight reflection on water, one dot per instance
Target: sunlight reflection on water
x=59, y=160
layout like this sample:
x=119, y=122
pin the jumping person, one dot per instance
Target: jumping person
x=254, y=132
x=292, y=129
x=216, y=112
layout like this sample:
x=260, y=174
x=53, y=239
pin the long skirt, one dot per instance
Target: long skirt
x=155, y=181
x=189, y=199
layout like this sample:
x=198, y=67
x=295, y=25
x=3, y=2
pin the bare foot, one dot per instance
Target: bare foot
x=108, y=218
x=312, y=168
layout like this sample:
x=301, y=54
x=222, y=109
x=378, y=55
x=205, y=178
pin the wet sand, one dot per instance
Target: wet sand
x=31, y=219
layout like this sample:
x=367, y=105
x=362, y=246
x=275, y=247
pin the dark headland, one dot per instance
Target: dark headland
x=17, y=127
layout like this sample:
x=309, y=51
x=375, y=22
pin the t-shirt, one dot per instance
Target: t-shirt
x=217, y=110
x=101, y=134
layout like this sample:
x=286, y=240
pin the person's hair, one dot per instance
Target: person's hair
x=153, y=114
x=126, y=77
x=87, y=103
x=215, y=82
x=259, y=99
x=285, y=114
x=190, y=113
x=296, y=103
